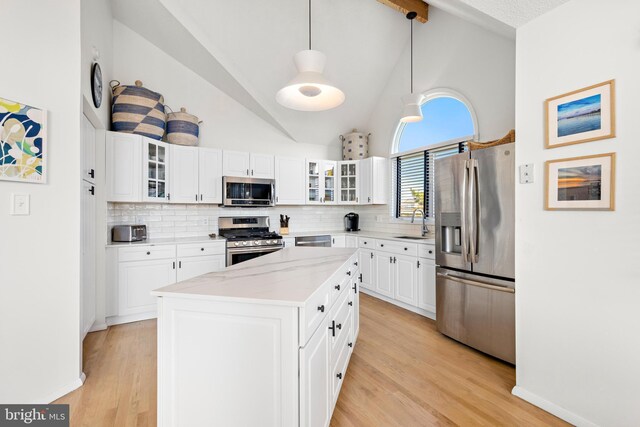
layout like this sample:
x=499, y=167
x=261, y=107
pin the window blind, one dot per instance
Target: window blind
x=414, y=178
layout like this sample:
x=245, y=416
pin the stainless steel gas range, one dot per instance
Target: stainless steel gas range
x=248, y=237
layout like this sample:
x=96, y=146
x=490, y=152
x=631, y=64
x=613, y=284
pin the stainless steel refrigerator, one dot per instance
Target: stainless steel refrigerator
x=475, y=222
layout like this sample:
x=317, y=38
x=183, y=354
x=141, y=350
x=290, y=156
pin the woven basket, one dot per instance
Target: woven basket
x=138, y=110
x=508, y=138
x=182, y=128
x=355, y=145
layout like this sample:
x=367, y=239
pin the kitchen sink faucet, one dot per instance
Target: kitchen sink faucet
x=425, y=229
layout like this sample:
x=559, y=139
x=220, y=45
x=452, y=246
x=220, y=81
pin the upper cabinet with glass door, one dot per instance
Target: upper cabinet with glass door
x=349, y=176
x=155, y=156
x=321, y=182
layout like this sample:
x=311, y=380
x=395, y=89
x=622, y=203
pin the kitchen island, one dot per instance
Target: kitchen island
x=265, y=342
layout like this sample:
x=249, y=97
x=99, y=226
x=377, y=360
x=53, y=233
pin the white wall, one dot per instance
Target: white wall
x=97, y=33
x=226, y=123
x=452, y=53
x=578, y=273
x=40, y=253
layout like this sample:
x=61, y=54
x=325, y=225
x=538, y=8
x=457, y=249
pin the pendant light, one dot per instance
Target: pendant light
x=412, y=111
x=310, y=90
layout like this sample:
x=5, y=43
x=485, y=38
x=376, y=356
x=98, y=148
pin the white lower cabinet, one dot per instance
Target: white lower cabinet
x=136, y=280
x=366, y=261
x=196, y=266
x=405, y=279
x=315, y=383
x=384, y=272
x=427, y=284
x=134, y=271
x=338, y=241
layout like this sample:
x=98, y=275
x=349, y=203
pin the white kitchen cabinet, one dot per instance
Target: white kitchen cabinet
x=321, y=181
x=374, y=180
x=124, y=167
x=355, y=307
x=136, y=280
x=427, y=284
x=235, y=163
x=366, y=263
x=338, y=241
x=384, y=273
x=348, y=185
x=88, y=267
x=189, y=267
x=240, y=163
x=155, y=170
x=261, y=166
x=183, y=186
x=315, y=386
x=351, y=241
x=290, y=179
x=289, y=242
x=88, y=151
x=210, y=175
x=406, y=279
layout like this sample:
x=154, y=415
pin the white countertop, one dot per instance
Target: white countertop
x=429, y=240
x=168, y=241
x=287, y=277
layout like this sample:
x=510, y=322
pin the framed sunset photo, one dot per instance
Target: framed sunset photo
x=581, y=116
x=580, y=183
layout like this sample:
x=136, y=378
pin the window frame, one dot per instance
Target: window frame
x=394, y=154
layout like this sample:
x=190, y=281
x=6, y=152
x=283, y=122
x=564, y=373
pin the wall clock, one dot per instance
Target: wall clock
x=96, y=84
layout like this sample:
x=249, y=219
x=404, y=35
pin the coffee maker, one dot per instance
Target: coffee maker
x=351, y=221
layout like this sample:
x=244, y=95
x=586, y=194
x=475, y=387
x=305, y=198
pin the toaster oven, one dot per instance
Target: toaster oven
x=129, y=233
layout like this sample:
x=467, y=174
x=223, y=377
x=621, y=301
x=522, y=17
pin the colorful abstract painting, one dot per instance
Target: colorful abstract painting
x=22, y=142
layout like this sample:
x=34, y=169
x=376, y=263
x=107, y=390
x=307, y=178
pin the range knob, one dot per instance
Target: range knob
x=257, y=243
x=245, y=243
x=273, y=242
x=236, y=243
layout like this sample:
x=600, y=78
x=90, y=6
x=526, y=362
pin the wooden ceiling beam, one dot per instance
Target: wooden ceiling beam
x=406, y=6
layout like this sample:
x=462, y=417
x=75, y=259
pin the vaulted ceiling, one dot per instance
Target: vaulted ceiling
x=245, y=48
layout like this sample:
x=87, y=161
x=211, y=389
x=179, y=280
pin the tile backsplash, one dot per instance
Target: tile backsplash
x=177, y=220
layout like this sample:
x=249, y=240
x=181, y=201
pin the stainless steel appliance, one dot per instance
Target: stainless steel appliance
x=323, y=241
x=247, y=192
x=248, y=237
x=128, y=233
x=475, y=222
x=351, y=222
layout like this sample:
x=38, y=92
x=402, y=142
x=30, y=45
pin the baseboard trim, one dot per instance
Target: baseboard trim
x=77, y=383
x=98, y=327
x=551, y=407
x=416, y=310
x=117, y=320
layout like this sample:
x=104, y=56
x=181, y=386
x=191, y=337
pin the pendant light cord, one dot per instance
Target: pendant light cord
x=309, y=24
x=411, y=20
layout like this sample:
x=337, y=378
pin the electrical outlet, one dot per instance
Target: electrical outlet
x=205, y=221
x=526, y=174
x=379, y=218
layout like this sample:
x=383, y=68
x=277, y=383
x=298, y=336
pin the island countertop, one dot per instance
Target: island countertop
x=286, y=277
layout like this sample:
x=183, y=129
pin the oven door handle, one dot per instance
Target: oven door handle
x=253, y=249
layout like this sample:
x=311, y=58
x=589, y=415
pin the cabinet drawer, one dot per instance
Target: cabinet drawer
x=339, y=285
x=339, y=326
x=200, y=249
x=312, y=314
x=338, y=372
x=146, y=253
x=427, y=251
x=398, y=248
x=365, y=242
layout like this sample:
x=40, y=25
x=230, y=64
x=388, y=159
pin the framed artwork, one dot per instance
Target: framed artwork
x=23, y=131
x=580, y=183
x=580, y=116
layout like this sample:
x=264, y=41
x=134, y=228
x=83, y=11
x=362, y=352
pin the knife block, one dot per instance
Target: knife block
x=284, y=230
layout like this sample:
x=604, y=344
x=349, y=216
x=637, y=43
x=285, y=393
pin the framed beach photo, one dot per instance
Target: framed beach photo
x=580, y=116
x=580, y=183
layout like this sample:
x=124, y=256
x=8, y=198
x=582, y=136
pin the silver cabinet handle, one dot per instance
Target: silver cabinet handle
x=476, y=283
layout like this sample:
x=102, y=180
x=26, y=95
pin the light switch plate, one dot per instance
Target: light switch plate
x=19, y=204
x=526, y=174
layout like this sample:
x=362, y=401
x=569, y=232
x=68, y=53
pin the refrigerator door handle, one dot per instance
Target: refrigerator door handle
x=463, y=222
x=476, y=283
x=473, y=208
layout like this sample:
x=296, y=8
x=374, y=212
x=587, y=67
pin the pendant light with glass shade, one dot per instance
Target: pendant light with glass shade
x=412, y=111
x=310, y=90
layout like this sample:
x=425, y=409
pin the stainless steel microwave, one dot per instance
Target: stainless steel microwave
x=247, y=192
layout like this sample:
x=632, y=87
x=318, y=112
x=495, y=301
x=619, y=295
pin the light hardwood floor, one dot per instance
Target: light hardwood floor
x=402, y=373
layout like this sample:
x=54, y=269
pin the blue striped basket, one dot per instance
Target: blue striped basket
x=135, y=109
x=182, y=128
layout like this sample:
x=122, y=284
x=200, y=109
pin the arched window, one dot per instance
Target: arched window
x=448, y=122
